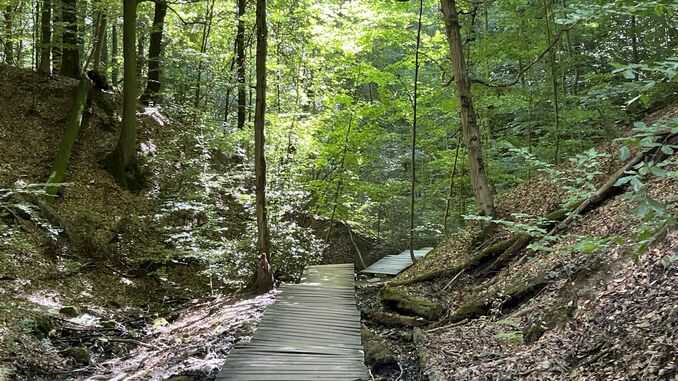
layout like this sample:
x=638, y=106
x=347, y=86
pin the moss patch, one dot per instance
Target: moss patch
x=401, y=300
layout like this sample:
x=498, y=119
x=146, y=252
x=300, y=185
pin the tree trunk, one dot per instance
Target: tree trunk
x=264, y=273
x=482, y=189
x=9, y=43
x=114, y=53
x=451, y=191
x=73, y=124
x=98, y=41
x=240, y=63
x=46, y=38
x=105, y=58
x=554, y=83
x=57, y=36
x=70, y=60
x=207, y=27
x=413, y=184
x=634, y=44
x=122, y=161
x=154, y=53
x=337, y=192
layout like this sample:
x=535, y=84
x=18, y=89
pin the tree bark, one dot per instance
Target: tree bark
x=482, y=189
x=99, y=41
x=264, y=273
x=46, y=38
x=240, y=63
x=207, y=27
x=122, y=161
x=154, y=53
x=73, y=124
x=9, y=43
x=413, y=183
x=337, y=192
x=554, y=83
x=114, y=53
x=451, y=190
x=70, y=60
x=57, y=35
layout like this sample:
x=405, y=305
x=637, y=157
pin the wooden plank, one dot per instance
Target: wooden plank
x=311, y=333
x=395, y=264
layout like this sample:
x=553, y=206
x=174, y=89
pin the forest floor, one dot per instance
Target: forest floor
x=592, y=307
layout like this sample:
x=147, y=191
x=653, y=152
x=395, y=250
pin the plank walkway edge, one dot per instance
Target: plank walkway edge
x=395, y=264
x=312, y=332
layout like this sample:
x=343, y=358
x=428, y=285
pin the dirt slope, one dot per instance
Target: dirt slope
x=589, y=308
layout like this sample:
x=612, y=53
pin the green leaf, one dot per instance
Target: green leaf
x=667, y=150
x=659, y=172
x=624, y=153
x=623, y=180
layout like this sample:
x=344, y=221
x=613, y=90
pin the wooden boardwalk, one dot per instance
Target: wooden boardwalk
x=394, y=264
x=311, y=333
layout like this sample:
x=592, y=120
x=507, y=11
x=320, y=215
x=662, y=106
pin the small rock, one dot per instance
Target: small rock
x=109, y=324
x=70, y=311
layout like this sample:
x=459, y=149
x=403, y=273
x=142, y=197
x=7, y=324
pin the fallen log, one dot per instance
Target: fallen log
x=390, y=319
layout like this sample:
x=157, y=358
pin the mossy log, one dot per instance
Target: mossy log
x=484, y=256
x=401, y=300
x=515, y=295
x=73, y=124
x=390, y=319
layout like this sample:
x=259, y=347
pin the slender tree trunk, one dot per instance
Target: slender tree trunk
x=155, y=52
x=413, y=184
x=240, y=63
x=482, y=189
x=9, y=36
x=207, y=27
x=264, y=273
x=114, y=53
x=46, y=38
x=140, y=54
x=227, y=107
x=105, y=57
x=122, y=162
x=337, y=192
x=57, y=36
x=73, y=124
x=98, y=41
x=251, y=95
x=451, y=191
x=554, y=83
x=70, y=60
x=634, y=43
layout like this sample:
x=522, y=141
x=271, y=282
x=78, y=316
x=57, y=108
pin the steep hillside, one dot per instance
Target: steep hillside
x=595, y=300
x=99, y=280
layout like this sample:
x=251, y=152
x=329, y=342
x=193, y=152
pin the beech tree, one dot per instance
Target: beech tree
x=45, y=66
x=155, y=52
x=70, y=59
x=122, y=161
